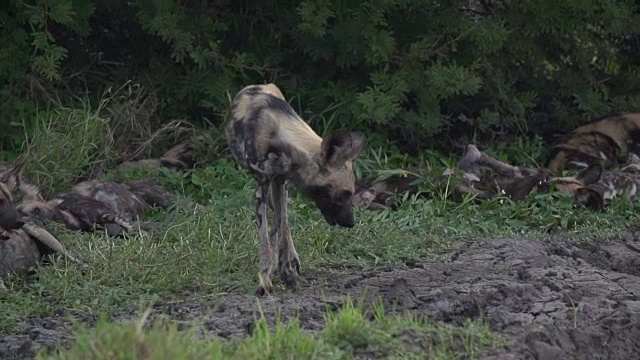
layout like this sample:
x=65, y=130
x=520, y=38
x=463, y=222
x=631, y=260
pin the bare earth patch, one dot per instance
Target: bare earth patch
x=550, y=300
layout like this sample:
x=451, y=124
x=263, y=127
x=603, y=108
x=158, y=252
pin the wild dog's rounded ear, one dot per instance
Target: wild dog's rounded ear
x=589, y=198
x=341, y=146
x=590, y=175
x=11, y=177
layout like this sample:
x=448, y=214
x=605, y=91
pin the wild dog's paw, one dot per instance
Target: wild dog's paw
x=265, y=288
x=289, y=270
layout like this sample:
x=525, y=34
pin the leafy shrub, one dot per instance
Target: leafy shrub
x=415, y=73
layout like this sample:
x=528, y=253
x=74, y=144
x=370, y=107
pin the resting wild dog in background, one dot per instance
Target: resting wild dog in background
x=511, y=181
x=151, y=193
x=25, y=248
x=23, y=241
x=375, y=193
x=602, y=142
x=268, y=138
x=178, y=158
x=590, y=187
x=10, y=218
x=89, y=203
x=611, y=183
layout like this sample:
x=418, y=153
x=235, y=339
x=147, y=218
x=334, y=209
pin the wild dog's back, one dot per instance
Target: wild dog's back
x=602, y=142
x=261, y=122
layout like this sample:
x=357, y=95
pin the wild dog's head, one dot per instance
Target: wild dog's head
x=34, y=205
x=331, y=183
x=10, y=218
x=583, y=187
x=570, y=184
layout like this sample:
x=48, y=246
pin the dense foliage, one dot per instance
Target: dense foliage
x=420, y=73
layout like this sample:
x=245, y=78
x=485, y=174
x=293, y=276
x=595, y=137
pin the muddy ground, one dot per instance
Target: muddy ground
x=552, y=300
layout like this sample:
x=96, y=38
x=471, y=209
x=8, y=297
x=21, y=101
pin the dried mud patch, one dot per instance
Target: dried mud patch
x=549, y=300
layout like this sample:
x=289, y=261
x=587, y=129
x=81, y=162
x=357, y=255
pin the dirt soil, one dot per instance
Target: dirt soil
x=551, y=300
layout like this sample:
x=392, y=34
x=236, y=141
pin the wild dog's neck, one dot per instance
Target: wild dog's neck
x=304, y=147
x=299, y=136
x=306, y=166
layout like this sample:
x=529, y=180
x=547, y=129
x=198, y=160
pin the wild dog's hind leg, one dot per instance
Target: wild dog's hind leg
x=289, y=264
x=115, y=219
x=266, y=250
x=474, y=157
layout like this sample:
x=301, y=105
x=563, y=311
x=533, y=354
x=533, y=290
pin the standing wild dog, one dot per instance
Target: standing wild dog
x=268, y=138
x=600, y=142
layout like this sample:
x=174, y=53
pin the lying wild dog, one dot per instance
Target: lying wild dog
x=23, y=241
x=268, y=138
x=10, y=218
x=507, y=180
x=25, y=248
x=153, y=194
x=590, y=187
x=374, y=193
x=112, y=205
x=611, y=183
x=105, y=203
x=513, y=182
x=178, y=158
x=602, y=142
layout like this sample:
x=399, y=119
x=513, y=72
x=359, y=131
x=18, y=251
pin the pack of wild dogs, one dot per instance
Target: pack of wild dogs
x=276, y=146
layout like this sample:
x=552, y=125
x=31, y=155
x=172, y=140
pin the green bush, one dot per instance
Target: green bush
x=417, y=73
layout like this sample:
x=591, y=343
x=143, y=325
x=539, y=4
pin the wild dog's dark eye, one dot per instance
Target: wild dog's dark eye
x=36, y=211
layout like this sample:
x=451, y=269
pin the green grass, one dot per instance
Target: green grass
x=348, y=333
x=212, y=250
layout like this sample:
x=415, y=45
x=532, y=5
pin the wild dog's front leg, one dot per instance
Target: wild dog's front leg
x=289, y=264
x=266, y=250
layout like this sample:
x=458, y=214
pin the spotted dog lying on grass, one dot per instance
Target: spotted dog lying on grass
x=601, y=142
x=10, y=218
x=612, y=183
x=468, y=178
x=25, y=248
x=24, y=242
x=178, y=158
x=114, y=206
x=592, y=187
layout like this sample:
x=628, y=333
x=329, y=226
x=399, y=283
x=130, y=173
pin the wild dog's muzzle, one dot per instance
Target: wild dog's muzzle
x=341, y=215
